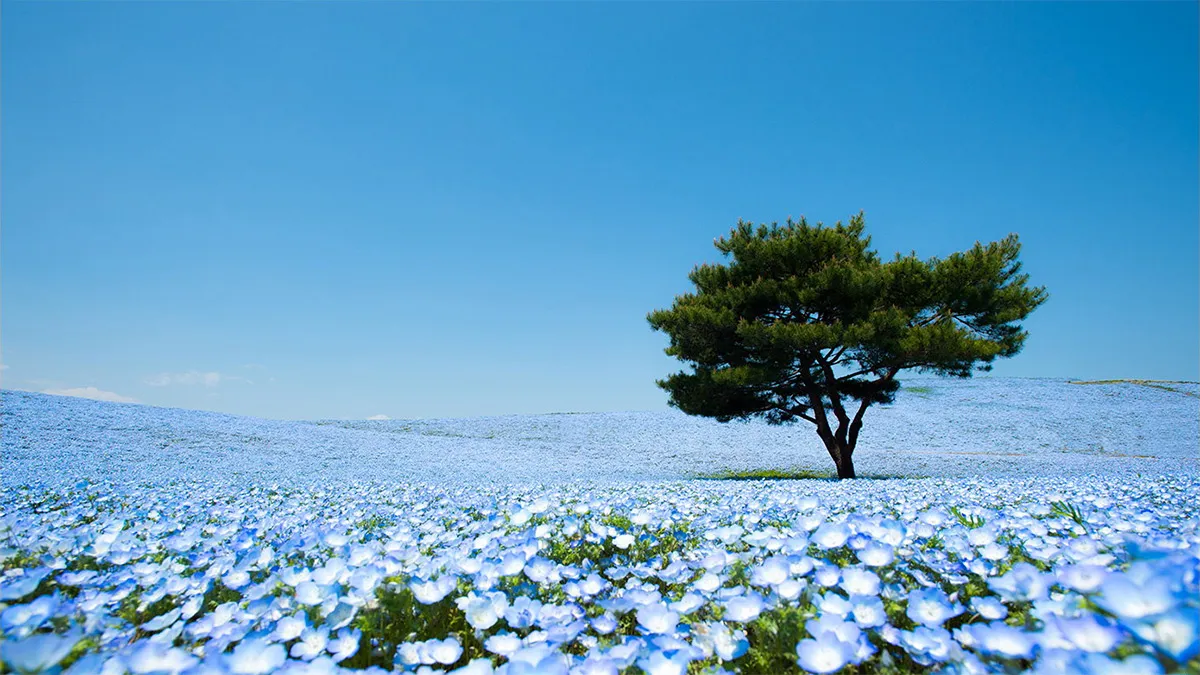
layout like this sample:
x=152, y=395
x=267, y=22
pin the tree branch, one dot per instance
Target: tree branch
x=814, y=400
x=861, y=372
x=856, y=424
x=835, y=398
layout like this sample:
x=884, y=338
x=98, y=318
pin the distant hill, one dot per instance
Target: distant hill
x=937, y=427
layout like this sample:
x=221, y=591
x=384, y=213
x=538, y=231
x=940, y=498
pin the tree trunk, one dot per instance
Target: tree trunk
x=845, y=463
x=841, y=451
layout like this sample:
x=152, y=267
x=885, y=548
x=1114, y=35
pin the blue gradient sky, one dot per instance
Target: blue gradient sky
x=306, y=210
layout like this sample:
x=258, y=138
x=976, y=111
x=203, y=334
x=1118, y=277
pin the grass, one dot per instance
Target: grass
x=790, y=474
x=1156, y=384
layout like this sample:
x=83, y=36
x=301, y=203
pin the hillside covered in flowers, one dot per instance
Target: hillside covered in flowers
x=1013, y=526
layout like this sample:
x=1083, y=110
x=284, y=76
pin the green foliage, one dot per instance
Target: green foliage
x=773, y=637
x=1067, y=510
x=398, y=617
x=647, y=545
x=1164, y=385
x=967, y=520
x=804, y=320
x=20, y=559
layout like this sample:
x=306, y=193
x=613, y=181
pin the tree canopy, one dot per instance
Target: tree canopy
x=808, y=323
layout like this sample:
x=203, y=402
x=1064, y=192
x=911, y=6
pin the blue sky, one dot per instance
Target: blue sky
x=305, y=210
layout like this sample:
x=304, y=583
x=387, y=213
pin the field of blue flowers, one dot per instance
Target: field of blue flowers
x=1038, y=526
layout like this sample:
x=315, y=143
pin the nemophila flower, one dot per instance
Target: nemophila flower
x=858, y=541
x=982, y=536
x=18, y=587
x=161, y=621
x=596, y=664
x=293, y=576
x=623, y=541
x=1000, y=639
x=503, y=644
x=708, y=582
x=592, y=584
x=1082, y=578
x=539, y=569
x=626, y=652
x=322, y=665
x=727, y=535
x=927, y=645
x=656, y=618
x=1022, y=583
x=341, y=616
x=868, y=611
x=445, y=651
x=824, y=653
x=773, y=570
x=312, y=643
x=1098, y=664
x=831, y=535
x=802, y=566
x=408, y=654
x=1128, y=599
x=77, y=579
x=21, y=620
x=744, y=608
x=483, y=611
x=717, y=638
x=255, y=657
x=365, y=579
x=931, y=608
x=1088, y=633
x=523, y=612
x=834, y=604
x=1175, y=633
x=344, y=645
x=791, y=589
x=308, y=593
x=537, y=658
x=989, y=608
x=858, y=581
x=664, y=663
x=37, y=653
x=190, y=607
x=827, y=575
x=430, y=592
x=876, y=555
x=993, y=551
x=236, y=579
x=689, y=603
x=604, y=624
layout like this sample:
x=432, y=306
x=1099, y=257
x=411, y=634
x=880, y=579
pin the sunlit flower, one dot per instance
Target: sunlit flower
x=931, y=608
x=255, y=657
x=743, y=608
x=656, y=618
x=38, y=653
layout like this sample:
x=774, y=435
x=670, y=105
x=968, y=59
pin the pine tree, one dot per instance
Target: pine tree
x=807, y=323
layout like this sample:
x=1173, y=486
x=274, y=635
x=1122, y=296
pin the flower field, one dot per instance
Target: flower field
x=146, y=540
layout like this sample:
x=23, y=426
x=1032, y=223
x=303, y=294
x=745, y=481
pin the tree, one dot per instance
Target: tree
x=806, y=323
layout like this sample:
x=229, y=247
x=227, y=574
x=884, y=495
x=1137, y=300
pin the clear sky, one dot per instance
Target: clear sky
x=305, y=210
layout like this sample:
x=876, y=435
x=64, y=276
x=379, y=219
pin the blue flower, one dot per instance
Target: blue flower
x=1128, y=599
x=255, y=657
x=825, y=654
x=1022, y=583
x=37, y=653
x=931, y=608
x=1175, y=633
x=1001, y=639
